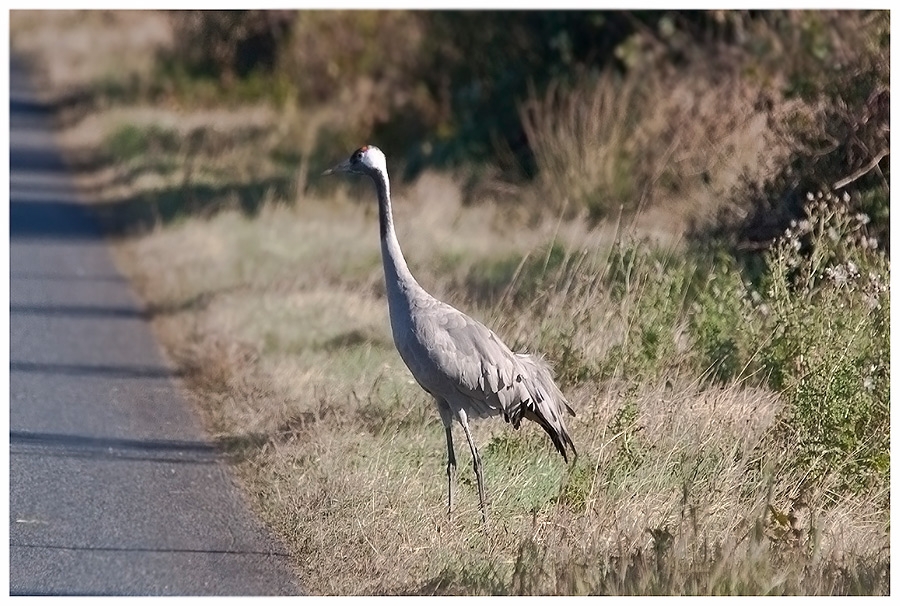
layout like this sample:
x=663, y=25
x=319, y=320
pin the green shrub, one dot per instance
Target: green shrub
x=723, y=324
x=827, y=302
x=651, y=289
x=812, y=325
x=130, y=142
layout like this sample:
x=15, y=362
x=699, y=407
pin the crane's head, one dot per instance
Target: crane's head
x=367, y=160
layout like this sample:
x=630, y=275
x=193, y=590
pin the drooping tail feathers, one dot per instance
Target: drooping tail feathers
x=546, y=402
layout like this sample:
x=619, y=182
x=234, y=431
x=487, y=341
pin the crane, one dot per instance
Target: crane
x=462, y=364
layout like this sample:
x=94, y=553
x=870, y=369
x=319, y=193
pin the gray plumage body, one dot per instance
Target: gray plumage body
x=467, y=367
x=468, y=370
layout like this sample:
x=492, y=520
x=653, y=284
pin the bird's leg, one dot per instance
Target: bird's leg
x=476, y=463
x=451, y=456
x=451, y=471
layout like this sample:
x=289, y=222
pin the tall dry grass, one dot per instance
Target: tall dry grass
x=672, y=143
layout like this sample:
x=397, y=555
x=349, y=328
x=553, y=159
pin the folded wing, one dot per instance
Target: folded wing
x=473, y=363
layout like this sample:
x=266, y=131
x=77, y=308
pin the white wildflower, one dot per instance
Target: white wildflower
x=837, y=274
x=875, y=282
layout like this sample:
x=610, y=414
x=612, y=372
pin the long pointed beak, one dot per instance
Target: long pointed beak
x=343, y=167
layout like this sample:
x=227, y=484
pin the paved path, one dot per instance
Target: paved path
x=114, y=487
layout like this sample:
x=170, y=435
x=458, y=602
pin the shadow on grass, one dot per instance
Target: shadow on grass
x=42, y=207
x=240, y=447
x=144, y=211
x=658, y=572
x=467, y=581
x=196, y=303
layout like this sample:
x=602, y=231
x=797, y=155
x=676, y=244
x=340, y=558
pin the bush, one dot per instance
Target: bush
x=724, y=325
x=834, y=68
x=827, y=302
x=227, y=45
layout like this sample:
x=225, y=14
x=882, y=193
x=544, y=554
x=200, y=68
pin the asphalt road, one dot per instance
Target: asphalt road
x=114, y=487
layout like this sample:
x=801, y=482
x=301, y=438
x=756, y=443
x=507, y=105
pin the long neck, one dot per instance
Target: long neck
x=398, y=279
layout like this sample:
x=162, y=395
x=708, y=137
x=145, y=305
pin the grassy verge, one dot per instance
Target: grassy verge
x=733, y=434
x=684, y=484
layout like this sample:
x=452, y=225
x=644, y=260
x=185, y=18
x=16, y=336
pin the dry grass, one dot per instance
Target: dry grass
x=670, y=146
x=281, y=326
x=70, y=52
x=278, y=323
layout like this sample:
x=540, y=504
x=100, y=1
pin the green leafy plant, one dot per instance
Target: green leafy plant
x=827, y=303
